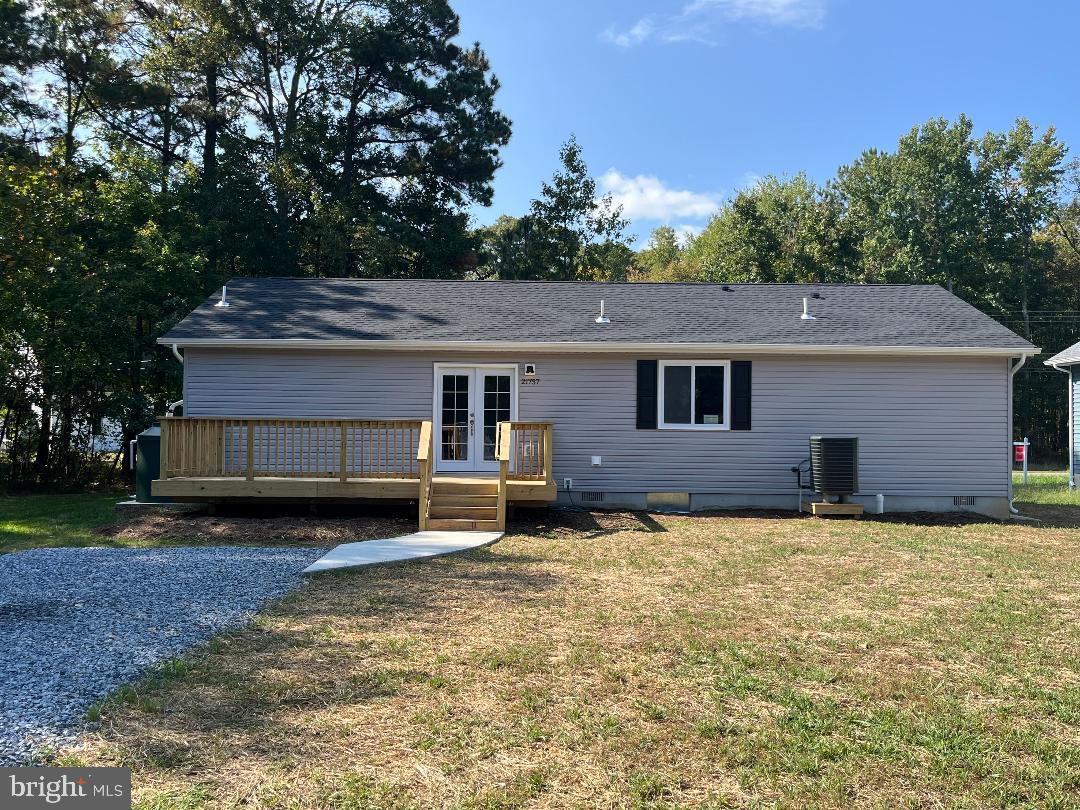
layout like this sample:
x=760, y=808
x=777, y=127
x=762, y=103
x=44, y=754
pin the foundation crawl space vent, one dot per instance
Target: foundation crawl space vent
x=592, y=496
x=963, y=500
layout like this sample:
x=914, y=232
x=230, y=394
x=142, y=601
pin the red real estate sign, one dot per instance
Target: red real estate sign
x=1019, y=451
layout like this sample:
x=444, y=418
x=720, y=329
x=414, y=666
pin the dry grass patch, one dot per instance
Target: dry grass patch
x=629, y=660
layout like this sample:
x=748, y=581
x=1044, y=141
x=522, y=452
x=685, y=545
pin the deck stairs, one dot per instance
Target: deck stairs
x=464, y=504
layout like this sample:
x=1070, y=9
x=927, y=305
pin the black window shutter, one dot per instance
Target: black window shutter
x=740, y=395
x=646, y=394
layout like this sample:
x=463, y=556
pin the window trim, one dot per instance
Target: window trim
x=663, y=425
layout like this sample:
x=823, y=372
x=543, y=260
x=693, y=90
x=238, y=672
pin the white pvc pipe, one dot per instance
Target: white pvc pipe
x=1012, y=373
x=172, y=407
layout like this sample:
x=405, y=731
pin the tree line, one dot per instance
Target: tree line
x=151, y=149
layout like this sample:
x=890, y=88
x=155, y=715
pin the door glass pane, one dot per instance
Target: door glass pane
x=455, y=418
x=677, y=395
x=709, y=395
x=496, y=409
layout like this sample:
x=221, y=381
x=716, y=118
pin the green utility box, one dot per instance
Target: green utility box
x=148, y=464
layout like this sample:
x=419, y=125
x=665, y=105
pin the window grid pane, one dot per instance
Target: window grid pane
x=677, y=387
x=496, y=409
x=708, y=395
x=455, y=418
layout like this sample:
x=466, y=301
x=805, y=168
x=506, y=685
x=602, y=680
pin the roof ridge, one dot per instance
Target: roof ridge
x=587, y=282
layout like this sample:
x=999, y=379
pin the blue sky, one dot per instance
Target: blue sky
x=679, y=103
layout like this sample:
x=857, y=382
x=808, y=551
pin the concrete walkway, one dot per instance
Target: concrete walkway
x=415, y=546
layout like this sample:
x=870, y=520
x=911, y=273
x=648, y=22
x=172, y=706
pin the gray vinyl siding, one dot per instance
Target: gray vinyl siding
x=1074, y=428
x=927, y=426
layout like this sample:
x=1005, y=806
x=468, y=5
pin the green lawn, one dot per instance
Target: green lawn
x=632, y=660
x=1050, y=488
x=32, y=521
x=1047, y=497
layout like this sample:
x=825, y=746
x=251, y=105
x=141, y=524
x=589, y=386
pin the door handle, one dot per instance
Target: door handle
x=472, y=424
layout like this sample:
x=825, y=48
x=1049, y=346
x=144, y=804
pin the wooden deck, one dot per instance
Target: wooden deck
x=216, y=459
x=404, y=489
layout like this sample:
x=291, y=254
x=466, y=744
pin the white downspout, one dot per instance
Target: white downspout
x=1012, y=373
x=174, y=405
x=1071, y=425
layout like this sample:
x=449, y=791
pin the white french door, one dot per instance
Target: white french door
x=470, y=401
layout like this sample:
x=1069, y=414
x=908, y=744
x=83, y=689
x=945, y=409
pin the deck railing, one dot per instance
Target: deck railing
x=530, y=450
x=212, y=447
x=203, y=447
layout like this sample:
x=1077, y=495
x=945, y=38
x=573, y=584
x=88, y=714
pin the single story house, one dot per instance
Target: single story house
x=468, y=395
x=1068, y=361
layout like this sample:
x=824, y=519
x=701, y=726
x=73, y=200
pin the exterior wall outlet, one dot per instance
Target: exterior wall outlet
x=596, y=461
x=568, y=484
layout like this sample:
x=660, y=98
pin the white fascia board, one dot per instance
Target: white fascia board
x=593, y=347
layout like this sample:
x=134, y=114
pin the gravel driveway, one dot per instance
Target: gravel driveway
x=76, y=623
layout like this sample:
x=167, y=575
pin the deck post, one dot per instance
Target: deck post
x=163, y=466
x=502, y=438
x=344, y=473
x=250, y=450
x=547, y=453
x=423, y=458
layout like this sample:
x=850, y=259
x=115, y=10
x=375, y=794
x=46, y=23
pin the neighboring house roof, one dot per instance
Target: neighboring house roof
x=486, y=314
x=1068, y=357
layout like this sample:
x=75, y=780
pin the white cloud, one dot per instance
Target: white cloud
x=698, y=20
x=686, y=232
x=641, y=31
x=646, y=197
x=750, y=180
x=792, y=13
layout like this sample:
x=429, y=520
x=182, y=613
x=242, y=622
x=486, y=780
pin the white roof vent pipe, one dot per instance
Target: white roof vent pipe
x=222, y=304
x=602, y=318
x=806, y=316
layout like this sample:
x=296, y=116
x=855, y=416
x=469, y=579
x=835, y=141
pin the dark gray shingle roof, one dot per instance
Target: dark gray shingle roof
x=924, y=316
x=1068, y=357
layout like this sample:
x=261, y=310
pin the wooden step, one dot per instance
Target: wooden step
x=462, y=525
x=465, y=500
x=464, y=486
x=469, y=512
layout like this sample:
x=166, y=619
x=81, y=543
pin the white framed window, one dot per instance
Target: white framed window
x=694, y=395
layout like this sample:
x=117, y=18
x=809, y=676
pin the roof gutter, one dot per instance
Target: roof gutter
x=604, y=347
x=1057, y=361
